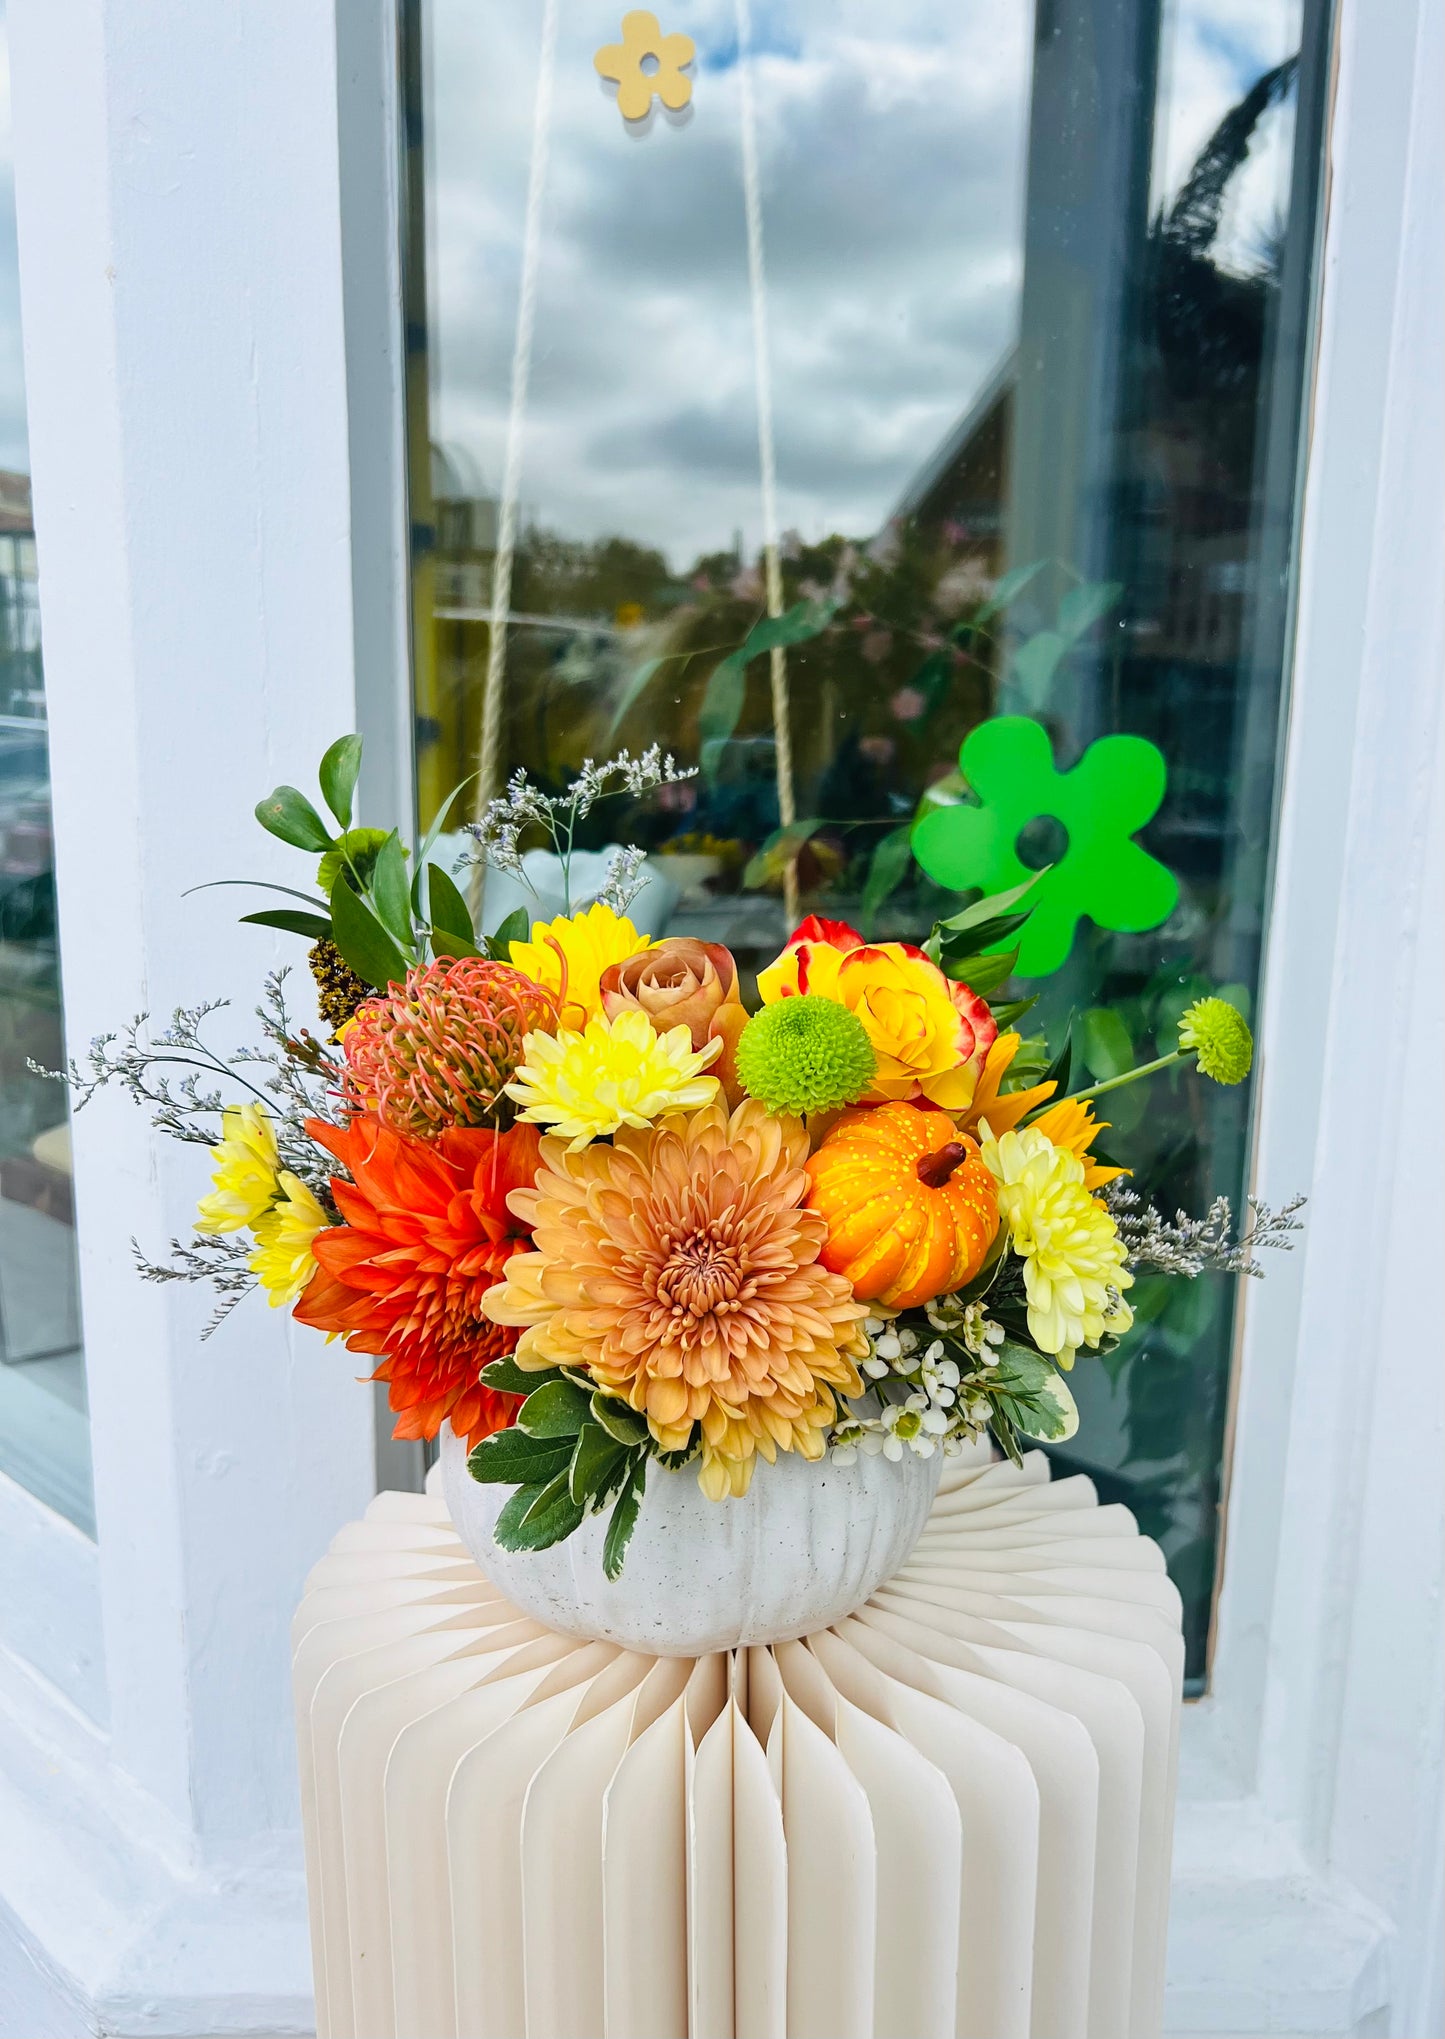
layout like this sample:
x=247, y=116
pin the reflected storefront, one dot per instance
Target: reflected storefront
x=44, y=1432
x=977, y=346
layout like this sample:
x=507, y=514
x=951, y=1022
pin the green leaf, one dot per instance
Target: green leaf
x=290, y=815
x=982, y=974
x=985, y=910
x=515, y=928
x=391, y=891
x=556, y=1409
x=1012, y=1011
x=887, y=869
x=549, y=1516
x=443, y=944
x=722, y=701
x=792, y=837
x=974, y=941
x=1034, y=665
x=510, y=1458
x=594, y=1461
x=1057, y=1072
x=618, y=1420
x=428, y=841
x=623, y=1522
x=505, y=1377
x=309, y=924
x=306, y=898
x=1104, y=1044
x=1008, y=590
x=363, y=941
x=338, y=775
x=1082, y=607
x=1029, y=1066
x=449, y=910
x=509, y=1522
x=637, y=681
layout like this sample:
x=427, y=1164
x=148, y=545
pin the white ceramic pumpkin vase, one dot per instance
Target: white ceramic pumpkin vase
x=805, y=1546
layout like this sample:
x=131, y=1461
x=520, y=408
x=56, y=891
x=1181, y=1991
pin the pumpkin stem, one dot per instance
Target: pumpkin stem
x=935, y=1169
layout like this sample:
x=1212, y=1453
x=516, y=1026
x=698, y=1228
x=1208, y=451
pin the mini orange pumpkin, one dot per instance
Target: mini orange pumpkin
x=910, y=1208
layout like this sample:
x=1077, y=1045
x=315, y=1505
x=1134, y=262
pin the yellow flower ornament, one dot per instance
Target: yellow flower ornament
x=626, y=63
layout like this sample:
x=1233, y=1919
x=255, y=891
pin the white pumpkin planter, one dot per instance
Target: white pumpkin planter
x=805, y=1546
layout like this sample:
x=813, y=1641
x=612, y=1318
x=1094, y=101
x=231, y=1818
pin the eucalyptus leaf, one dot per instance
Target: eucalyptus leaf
x=338, y=773
x=1034, y=665
x=449, y=910
x=363, y=941
x=309, y=924
x=722, y=701
x=290, y=816
x=510, y=1458
x=556, y=1409
x=515, y=928
x=391, y=892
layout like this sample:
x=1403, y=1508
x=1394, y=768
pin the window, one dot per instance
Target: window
x=44, y=1432
x=985, y=339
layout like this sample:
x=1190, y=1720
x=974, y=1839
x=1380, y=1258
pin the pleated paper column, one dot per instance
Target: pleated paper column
x=948, y=1817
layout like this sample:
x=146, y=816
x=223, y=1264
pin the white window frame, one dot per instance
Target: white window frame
x=209, y=289
x=1308, y=1880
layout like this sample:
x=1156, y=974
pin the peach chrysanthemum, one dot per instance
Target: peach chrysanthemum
x=679, y=1268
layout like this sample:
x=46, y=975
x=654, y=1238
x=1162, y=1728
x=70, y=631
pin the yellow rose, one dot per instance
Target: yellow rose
x=930, y=1036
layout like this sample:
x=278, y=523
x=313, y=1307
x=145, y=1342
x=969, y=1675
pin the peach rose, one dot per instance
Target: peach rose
x=683, y=983
x=931, y=1036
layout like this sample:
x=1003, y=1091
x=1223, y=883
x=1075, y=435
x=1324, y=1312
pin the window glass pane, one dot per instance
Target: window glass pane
x=44, y=1432
x=987, y=336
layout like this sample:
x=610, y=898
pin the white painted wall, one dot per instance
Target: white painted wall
x=180, y=240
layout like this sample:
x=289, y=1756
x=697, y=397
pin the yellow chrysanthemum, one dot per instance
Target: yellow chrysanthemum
x=283, y=1262
x=245, y=1175
x=1073, y=1125
x=615, y=1073
x=568, y=955
x=1072, y=1254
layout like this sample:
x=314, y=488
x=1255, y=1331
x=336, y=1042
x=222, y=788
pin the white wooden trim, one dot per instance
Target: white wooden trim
x=1311, y=1817
x=181, y=276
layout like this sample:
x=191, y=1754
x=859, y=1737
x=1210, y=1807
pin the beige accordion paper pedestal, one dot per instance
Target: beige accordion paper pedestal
x=949, y=1815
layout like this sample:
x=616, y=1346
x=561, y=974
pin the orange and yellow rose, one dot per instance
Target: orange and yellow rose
x=931, y=1036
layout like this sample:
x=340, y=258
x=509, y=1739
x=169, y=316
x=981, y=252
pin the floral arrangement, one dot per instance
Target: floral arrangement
x=581, y=1200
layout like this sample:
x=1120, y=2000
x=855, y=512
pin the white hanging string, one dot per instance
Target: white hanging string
x=772, y=567
x=487, y=775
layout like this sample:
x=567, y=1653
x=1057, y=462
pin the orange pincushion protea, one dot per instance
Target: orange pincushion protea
x=437, y=1050
x=910, y=1208
x=427, y=1233
x=679, y=1268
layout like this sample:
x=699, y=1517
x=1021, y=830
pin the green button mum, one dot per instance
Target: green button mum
x=804, y=1055
x=1113, y=790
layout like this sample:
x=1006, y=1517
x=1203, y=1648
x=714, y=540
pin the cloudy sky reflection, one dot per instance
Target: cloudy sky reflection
x=891, y=157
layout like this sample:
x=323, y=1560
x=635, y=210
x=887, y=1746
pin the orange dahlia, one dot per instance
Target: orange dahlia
x=427, y=1232
x=680, y=1269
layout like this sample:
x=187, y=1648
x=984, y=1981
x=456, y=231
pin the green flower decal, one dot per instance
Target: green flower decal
x=1111, y=792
